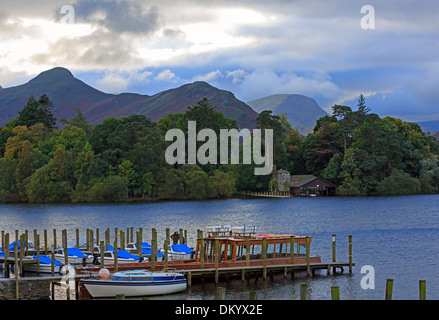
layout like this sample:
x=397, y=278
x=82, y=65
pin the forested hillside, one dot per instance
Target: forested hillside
x=123, y=158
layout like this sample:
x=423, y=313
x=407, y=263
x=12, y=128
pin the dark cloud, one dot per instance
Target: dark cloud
x=119, y=16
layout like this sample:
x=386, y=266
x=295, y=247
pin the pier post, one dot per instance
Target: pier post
x=333, y=252
x=201, y=251
x=37, y=246
x=292, y=249
x=308, y=266
x=45, y=241
x=335, y=293
x=77, y=238
x=247, y=251
x=422, y=290
x=101, y=251
x=54, y=239
x=6, y=250
x=16, y=268
x=52, y=262
x=216, y=253
x=303, y=291
x=389, y=289
x=21, y=255
x=115, y=257
x=350, y=253
x=165, y=246
x=264, y=259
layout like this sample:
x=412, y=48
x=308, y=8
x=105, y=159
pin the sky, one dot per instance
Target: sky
x=331, y=51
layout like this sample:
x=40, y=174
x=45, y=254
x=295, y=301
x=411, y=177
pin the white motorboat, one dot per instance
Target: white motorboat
x=136, y=283
x=180, y=252
x=45, y=265
x=122, y=257
x=75, y=256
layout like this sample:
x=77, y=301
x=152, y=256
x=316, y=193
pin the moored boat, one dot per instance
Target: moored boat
x=136, y=283
x=180, y=252
x=45, y=265
x=74, y=256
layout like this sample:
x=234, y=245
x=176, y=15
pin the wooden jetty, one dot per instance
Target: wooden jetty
x=218, y=254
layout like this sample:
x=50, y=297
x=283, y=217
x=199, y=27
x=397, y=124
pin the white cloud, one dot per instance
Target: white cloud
x=112, y=83
x=165, y=75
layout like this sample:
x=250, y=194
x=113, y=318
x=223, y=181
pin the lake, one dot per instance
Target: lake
x=397, y=236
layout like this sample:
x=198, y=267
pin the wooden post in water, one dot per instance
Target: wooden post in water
x=201, y=251
x=97, y=240
x=185, y=237
x=6, y=250
x=303, y=291
x=77, y=239
x=216, y=260
x=335, y=293
x=333, y=252
x=115, y=256
x=181, y=236
x=21, y=255
x=389, y=289
x=101, y=251
x=37, y=246
x=165, y=265
x=220, y=293
x=264, y=258
x=54, y=238
x=17, y=296
x=52, y=262
x=308, y=266
x=45, y=241
x=350, y=253
x=247, y=251
x=422, y=290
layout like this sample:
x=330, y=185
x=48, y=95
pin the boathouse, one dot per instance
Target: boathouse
x=309, y=185
x=303, y=185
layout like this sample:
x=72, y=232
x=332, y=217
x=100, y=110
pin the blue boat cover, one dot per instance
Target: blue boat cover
x=181, y=248
x=146, y=249
x=47, y=260
x=123, y=254
x=75, y=252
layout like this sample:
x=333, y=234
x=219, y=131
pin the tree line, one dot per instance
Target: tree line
x=123, y=158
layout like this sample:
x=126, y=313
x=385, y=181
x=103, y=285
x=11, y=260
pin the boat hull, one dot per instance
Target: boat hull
x=108, y=289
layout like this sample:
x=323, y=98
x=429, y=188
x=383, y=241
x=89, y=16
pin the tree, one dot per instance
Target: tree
x=37, y=112
x=222, y=184
x=399, y=183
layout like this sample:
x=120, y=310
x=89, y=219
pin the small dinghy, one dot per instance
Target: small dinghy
x=136, y=283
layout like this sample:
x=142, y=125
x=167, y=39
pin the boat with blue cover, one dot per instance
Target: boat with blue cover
x=123, y=256
x=45, y=265
x=136, y=283
x=74, y=256
x=180, y=252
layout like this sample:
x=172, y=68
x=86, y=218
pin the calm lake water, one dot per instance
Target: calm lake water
x=397, y=236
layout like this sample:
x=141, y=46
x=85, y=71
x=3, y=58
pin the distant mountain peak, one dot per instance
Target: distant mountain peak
x=57, y=72
x=302, y=111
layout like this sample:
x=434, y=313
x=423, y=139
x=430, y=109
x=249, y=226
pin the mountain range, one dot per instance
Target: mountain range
x=67, y=92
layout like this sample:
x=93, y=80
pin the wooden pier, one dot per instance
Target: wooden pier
x=208, y=270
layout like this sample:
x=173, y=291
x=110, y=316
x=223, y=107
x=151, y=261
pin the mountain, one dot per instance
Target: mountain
x=429, y=127
x=66, y=92
x=302, y=112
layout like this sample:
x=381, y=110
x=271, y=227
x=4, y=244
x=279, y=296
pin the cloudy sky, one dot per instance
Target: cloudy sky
x=328, y=50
